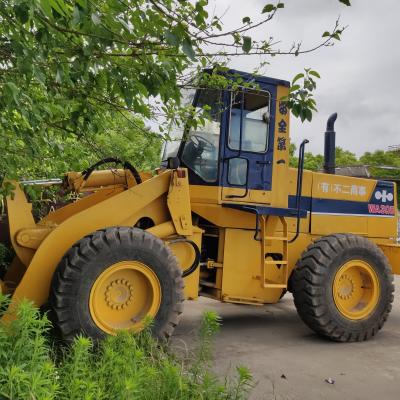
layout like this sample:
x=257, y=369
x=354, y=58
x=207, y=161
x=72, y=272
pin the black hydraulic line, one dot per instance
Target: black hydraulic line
x=87, y=172
x=135, y=173
x=196, y=261
x=300, y=170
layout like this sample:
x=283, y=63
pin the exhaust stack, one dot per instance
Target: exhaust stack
x=330, y=145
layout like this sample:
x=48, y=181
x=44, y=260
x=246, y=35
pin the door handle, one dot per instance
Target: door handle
x=264, y=162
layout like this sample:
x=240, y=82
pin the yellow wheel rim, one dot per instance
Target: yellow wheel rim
x=356, y=289
x=123, y=295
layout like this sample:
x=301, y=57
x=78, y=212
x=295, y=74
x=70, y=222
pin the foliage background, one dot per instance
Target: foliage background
x=73, y=72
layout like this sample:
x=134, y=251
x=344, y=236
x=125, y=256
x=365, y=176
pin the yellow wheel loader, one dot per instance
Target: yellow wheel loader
x=226, y=218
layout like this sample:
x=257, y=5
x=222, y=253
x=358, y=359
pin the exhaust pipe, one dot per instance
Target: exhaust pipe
x=330, y=145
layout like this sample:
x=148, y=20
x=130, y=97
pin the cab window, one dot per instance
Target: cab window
x=249, y=122
x=200, y=152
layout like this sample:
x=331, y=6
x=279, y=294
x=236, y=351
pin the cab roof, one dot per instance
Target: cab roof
x=257, y=78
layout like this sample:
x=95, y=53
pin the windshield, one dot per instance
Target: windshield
x=171, y=147
x=200, y=152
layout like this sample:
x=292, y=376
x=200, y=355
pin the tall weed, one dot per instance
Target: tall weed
x=126, y=366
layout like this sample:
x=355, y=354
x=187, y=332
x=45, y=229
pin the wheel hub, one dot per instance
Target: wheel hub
x=123, y=295
x=119, y=294
x=346, y=287
x=356, y=289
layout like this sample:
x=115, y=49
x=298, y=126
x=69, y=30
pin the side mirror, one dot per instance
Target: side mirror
x=173, y=163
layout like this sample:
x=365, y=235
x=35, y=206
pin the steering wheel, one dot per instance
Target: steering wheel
x=202, y=143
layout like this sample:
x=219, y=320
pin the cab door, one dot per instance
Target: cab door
x=247, y=146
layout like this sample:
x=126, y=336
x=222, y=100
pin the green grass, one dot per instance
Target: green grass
x=126, y=366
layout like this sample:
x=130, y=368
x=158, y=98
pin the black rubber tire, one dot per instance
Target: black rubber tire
x=90, y=256
x=312, y=282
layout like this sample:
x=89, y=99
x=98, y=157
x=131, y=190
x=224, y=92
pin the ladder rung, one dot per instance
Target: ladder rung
x=275, y=285
x=208, y=284
x=275, y=238
x=275, y=262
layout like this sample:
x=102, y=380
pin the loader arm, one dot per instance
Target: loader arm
x=164, y=199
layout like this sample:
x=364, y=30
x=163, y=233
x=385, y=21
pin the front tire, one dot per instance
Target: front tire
x=114, y=279
x=343, y=287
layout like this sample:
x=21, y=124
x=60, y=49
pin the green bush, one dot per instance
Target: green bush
x=126, y=366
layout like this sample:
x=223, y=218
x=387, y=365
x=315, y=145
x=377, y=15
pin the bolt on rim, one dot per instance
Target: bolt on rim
x=356, y=289
x=123, y=296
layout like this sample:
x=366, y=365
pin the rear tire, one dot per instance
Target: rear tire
x=343, y=287
x=113, y=279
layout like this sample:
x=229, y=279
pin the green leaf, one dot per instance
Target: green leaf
x=187, y=48
x=280, y=5
x=59, y=75
x=76, y=16
x=59, y=6
x=246, y=20
x=46, y=8
x=82, y=3
x=11, y=92
x=336, y=36
x=297, y=77
x=246, y=46
x=315, y=73
x=96, y=18
x=346, y=2
x=294, y=88
x=22, y=12
x=172, y=39
x=326, y=34
x=268, y=8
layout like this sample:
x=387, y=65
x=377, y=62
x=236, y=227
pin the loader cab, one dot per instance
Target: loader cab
x=241, y=143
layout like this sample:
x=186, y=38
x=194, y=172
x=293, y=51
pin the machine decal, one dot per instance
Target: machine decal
x=281, y=144
x=380, y=204
x=282, y=125
x=380, y=209
x=382, y=200
x=352, y=190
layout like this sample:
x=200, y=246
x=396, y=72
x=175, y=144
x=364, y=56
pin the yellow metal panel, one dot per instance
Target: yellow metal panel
x=385, y=227
x=224, y=217
x=242, y=269
x=253, y=196
x=280, y=164
x=327, y=224
x=392, y=252
x=205, y=194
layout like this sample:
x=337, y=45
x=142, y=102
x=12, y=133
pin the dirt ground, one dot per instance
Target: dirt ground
x=288, y=361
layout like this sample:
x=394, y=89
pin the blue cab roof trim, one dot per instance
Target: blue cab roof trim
x=259, y=78
x=252, y=77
